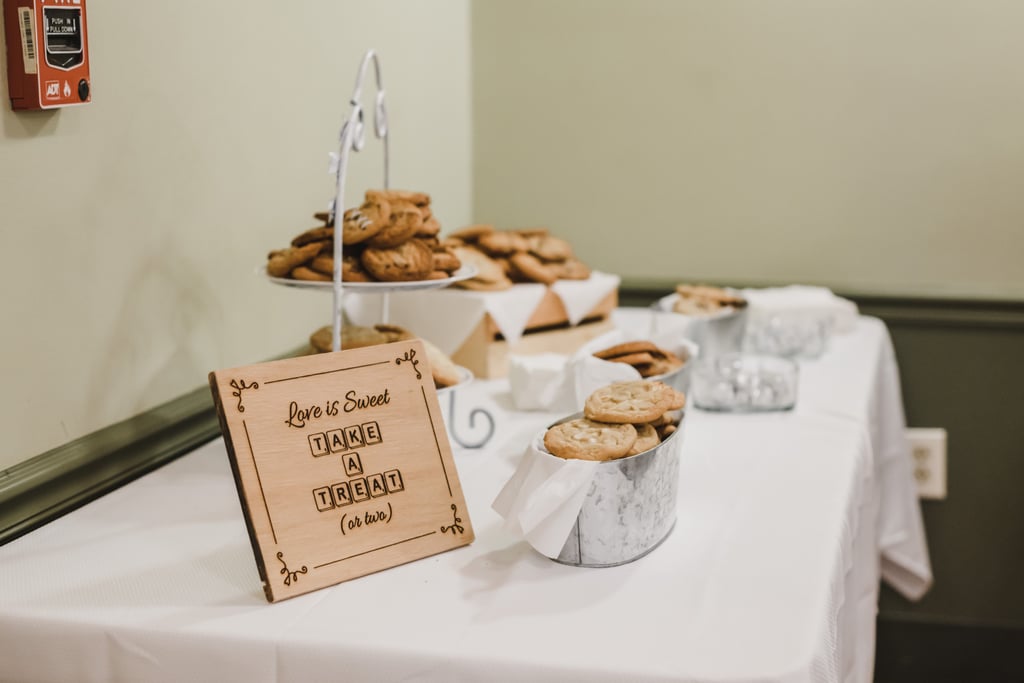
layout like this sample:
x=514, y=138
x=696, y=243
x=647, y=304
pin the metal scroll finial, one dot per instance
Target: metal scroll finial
x=473, y=414
x=352, y=138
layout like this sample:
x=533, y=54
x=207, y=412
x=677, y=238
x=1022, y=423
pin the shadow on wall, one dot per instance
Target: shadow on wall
x=23, y=125
x=160, y=335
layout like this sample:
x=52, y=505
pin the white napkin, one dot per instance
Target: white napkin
x=510, y=308
x=581, y=296
x=558, y=383
x=801, y=299
x=544, y=496
x=446, y=317
x=587, y=374
x=537, y=382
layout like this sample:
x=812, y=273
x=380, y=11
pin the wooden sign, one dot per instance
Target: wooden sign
x=342, y=464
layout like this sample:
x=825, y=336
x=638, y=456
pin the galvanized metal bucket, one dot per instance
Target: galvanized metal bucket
x=679, y=379
x=715, y=334
x=630, y=507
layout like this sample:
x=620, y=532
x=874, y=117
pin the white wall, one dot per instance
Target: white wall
x=870, y=146
x=873, y=146
x=133, y=226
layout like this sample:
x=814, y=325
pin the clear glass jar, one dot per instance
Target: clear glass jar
x=790, y=335
x=741, y=382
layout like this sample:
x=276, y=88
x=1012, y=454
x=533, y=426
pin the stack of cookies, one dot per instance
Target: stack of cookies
x=705, y=300
x=646, y=357
x=444, y=371
x=391, y=237
x=504, y=257
x=620, y=420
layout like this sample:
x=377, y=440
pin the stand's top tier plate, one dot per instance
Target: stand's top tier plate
x=463, y=273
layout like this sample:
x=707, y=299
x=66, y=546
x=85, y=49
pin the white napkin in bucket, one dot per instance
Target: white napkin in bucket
x=544, y=496
x=561, y=384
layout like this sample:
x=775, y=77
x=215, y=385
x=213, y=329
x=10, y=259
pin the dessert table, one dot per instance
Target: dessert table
x=786, y=524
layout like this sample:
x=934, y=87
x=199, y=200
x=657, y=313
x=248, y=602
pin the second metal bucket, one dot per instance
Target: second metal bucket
x=715, y=334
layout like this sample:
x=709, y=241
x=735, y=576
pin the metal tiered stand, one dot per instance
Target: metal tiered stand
x=353, y=138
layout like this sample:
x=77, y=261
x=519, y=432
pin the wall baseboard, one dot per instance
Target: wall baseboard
x=58, y=481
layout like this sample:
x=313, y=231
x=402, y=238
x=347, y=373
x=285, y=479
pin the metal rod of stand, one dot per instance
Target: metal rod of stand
x=352, y=138
x=339, y=200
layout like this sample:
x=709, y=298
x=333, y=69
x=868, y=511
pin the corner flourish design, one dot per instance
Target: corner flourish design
x=239, y=385
x=410, y=357
x=289, y=575
x=456, y=525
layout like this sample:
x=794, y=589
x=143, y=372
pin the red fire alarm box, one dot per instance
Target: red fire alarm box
x=47, y=53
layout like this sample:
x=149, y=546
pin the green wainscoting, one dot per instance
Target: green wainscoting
x=962, y=368
x=56, y=482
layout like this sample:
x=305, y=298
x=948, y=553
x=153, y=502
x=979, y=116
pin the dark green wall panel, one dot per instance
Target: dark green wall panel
x=970, y=380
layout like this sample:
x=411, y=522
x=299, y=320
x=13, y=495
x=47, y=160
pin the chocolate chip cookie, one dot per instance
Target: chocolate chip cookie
x=361, y=224
x=411, y=260
x=405, y=221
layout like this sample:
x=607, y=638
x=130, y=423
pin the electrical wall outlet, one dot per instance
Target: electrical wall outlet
x=928, y=448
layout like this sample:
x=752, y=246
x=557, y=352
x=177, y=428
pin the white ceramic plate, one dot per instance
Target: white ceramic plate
x=666, y=304
x=463, y=273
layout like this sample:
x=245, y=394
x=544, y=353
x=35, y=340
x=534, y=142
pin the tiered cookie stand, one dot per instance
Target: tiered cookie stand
x=353, y=138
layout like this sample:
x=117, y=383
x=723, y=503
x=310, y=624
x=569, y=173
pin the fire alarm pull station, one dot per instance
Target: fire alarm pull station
x=47, y=53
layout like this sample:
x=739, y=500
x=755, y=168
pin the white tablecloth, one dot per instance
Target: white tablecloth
x=771, y=573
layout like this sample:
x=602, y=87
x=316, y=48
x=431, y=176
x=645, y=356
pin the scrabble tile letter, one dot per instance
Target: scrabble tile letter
x=318, y=444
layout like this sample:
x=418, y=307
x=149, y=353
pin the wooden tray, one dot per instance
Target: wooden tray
x=485, y=352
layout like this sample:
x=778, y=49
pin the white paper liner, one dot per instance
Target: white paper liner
x=581, y=296
x=559, y=383
x=447, y=317
x=544, y=496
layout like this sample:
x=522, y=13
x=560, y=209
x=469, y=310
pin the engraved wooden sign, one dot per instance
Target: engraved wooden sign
x=342, y=464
